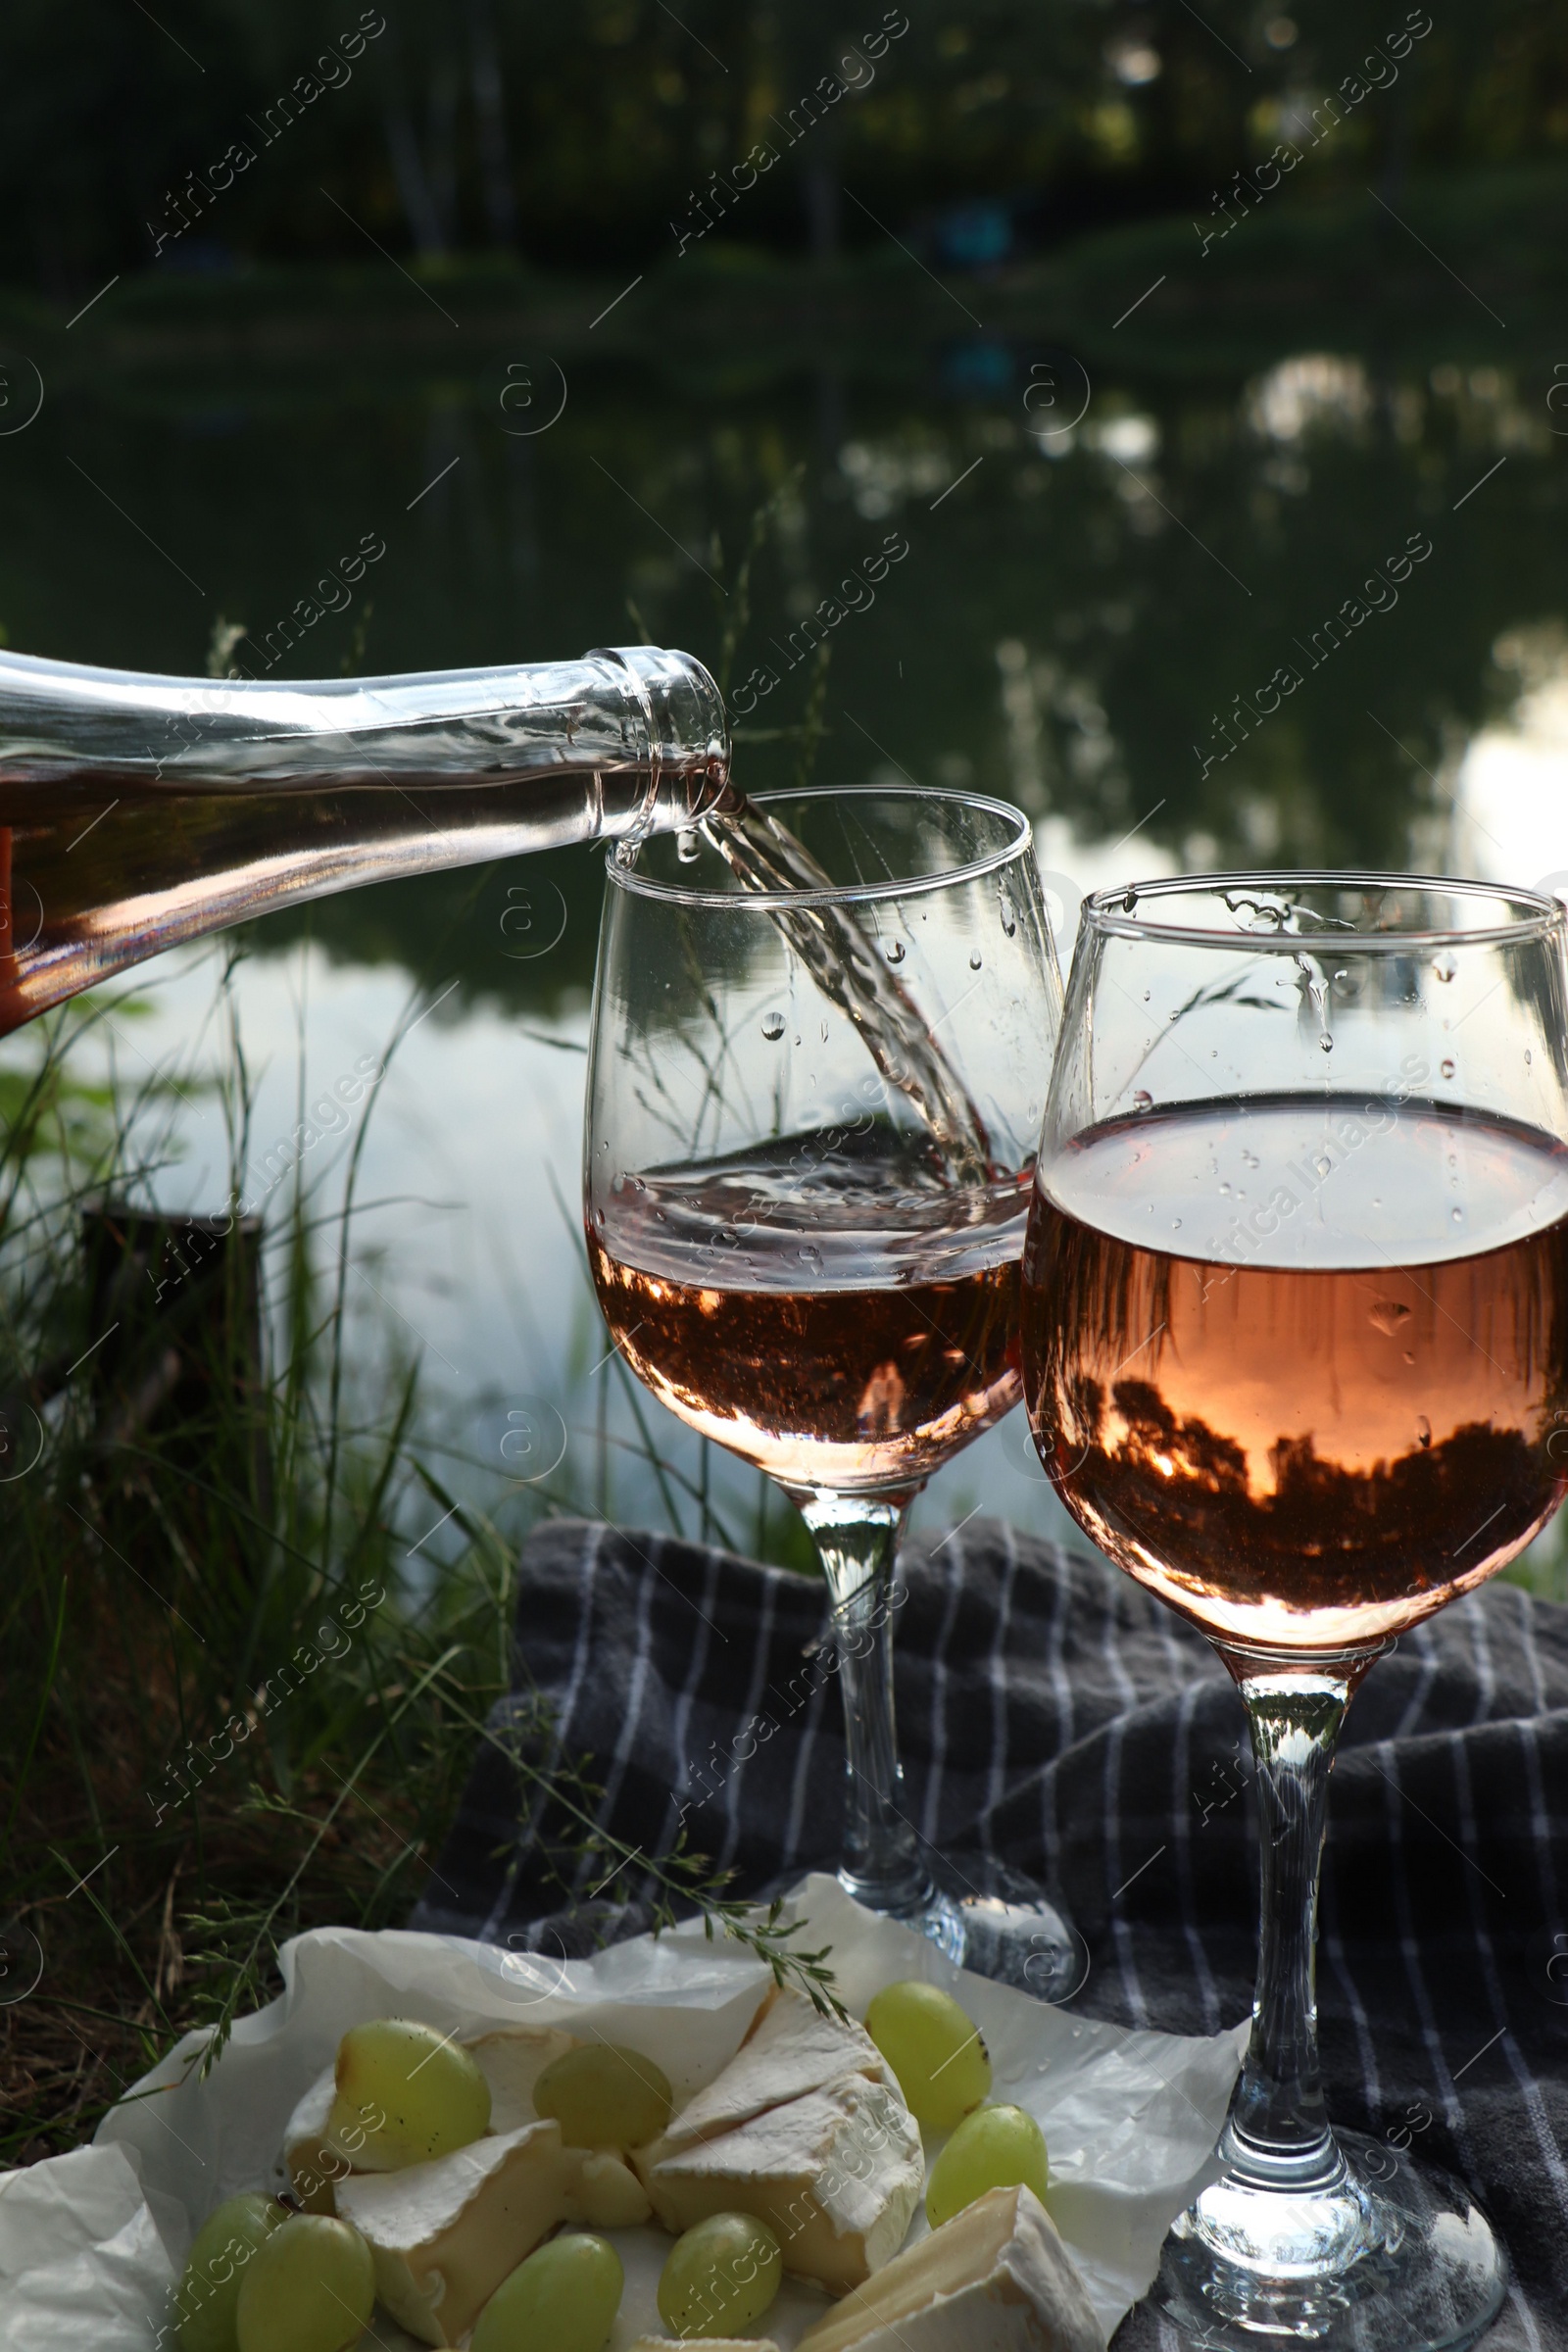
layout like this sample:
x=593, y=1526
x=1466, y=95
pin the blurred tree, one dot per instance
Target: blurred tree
x=578, y=135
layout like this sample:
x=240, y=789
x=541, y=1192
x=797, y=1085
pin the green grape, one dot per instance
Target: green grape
x=720, y=2276
x=603, y=2096
x=405, y=2093
x=310, y=2288
x=562, y=2299
x=943, y=2065
x=215, y=2271
x=995, y=2147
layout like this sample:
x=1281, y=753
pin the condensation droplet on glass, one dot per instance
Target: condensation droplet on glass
x=1423, y=1429
x=1145, y=995
x=1388, y=1315
x=1175, y=1224
x=1527, y=1057
x=1224, y=1186
x=1447, y=1067
x=772, y=1027
x=1142, y=1099
x=1249, y=1160
x=1326, y=1041
x=1323, y=1165
x=1129, y=902
x=1409, y=1357
x=975, y=960
x=895, y=951
x=1444, y=967
x=688, y=849
x=599, y=1216
x=1457, y=1214
x=1010, y=921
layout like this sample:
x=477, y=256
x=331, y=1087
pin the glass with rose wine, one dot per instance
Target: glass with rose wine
x=818, y=1063
x=1296, y=1352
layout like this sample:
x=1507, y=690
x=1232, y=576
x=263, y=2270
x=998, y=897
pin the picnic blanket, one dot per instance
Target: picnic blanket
x=1054, y=1714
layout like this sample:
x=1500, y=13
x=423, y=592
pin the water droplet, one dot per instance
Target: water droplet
x=895, y=951
x=1527, y=1057
x=1175, y=1224
x=1145, y=995
x=975, y=960
x=1143, y=1100
x=772, y=1027
x=1129, y=902
x=1224, y=1186
x=599, y=1216
x=1388, y=1315
x=1326, y=1041
x=1409, y=1357
x=1423, y=1429
x=1249, y=1160
x=1323, y=1164
x=688, y=849
x=1447, y=1067
x=1444, y=967
x=1457, y=1214
x=1010, y=921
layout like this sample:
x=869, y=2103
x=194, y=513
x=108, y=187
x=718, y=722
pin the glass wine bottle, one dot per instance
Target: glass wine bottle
x=138, y=811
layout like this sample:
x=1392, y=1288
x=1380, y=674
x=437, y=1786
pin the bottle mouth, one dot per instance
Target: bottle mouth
x=686, y=726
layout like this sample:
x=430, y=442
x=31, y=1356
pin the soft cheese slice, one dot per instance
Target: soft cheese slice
x=608, y=2194
x=836, y=2174
x=995, y=2279
x=789, y=2051
x=511, y=2059
x=444, y=2234
x=311, y=2158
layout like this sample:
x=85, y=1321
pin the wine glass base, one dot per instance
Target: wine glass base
x=994, y=1921
x=1391, y=2258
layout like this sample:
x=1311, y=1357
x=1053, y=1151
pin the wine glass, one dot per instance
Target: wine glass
x=1295, y=1353
x=820, y=1045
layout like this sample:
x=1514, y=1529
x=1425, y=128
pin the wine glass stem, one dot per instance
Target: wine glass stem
x=1277, y=2134
x=858, y=1542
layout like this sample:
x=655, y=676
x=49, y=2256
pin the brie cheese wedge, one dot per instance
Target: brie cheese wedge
x=790, y=2050
x=608, y=2194
x=312, y=2158
x=995, y=2279
x=836, y=2174
x=511, y=2059
x=444, y=2234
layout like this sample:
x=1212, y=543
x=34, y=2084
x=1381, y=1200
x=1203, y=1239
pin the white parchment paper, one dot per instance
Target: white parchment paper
x=90, y=2244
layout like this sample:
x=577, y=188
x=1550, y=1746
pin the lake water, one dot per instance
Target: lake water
x=1106, y=576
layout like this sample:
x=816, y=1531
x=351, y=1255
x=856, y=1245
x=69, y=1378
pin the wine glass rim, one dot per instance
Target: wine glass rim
x=1107, y=912
x=625, y=875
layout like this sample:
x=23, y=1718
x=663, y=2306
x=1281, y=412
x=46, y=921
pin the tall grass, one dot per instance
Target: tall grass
x=241, y=1694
